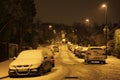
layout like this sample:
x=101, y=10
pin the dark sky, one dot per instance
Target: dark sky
x=70, y=11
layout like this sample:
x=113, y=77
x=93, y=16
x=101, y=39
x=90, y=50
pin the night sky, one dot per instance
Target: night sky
x=71, y=11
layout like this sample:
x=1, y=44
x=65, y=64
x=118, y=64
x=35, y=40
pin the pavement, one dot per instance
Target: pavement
x=4, y=66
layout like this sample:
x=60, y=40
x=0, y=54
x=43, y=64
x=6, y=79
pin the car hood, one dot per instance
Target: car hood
x=26, y=62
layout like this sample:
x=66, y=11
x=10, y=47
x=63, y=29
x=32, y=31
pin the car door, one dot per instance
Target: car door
x=47, y=65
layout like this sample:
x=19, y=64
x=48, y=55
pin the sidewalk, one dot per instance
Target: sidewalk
x=4, y=66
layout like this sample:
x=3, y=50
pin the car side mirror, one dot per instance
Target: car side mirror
x=14, y=58
x=45, y=57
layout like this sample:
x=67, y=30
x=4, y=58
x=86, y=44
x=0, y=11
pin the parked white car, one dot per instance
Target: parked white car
x=95, y=54
x=80, y=51
x=31, y=62
x=54, y=48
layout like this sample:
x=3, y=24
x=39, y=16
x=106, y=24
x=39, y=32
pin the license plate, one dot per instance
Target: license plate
x=22, y=70
x=95, y=61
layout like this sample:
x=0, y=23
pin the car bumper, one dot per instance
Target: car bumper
x=96, y=59
x=22, y=72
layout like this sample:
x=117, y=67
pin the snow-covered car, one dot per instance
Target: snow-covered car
x=77, y=52
x=80, y=51
x=54, y=48
x=84, y=49
x=31, y=62
x=95, y=54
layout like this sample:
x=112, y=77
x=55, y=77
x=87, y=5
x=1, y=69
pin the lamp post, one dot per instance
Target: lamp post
x=106, y=29
x=89, y=29
x=54, y=31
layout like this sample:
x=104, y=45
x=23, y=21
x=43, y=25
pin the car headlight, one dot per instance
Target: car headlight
x=12, y=67
x=11, y=70
x=34, y=70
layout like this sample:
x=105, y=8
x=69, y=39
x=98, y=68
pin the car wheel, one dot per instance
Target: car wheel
x=53, y=65
x=86, y=61
x=102, y=62
x=50, y=67
x=11, y=76
x=40, y=71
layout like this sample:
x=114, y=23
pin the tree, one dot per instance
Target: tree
x=16, y=17
x=81, y=32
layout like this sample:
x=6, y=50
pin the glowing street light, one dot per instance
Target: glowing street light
x=50, y=26
x=106, y=12
x=87, y=20
x=104, y=5
x=54, y=31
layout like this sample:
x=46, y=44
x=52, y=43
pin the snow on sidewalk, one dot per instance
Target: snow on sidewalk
x=4, y=66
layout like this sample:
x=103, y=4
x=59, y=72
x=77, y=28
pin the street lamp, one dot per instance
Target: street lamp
x=54, y=31
x=89, y=29
x=106, y=29
x=105, y=8
x=87, y=21
x=50, y=26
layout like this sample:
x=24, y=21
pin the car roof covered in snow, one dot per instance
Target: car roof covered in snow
x=30, y=54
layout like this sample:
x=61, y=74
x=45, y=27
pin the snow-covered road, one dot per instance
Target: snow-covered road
x=78, y=70
x=69, y=67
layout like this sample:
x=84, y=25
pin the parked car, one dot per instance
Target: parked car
x=84, y=49
x=80, y=51
x=95, y=54
x=31, y=62
x=54, y=48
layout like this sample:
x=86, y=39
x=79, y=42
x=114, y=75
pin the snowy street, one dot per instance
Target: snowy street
x=69, y=67
x=60, y=40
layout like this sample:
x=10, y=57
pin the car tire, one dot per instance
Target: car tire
x=102, y=62
x=51, y=65
x=40, y=71
x=86, y=61
x=11, y=76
